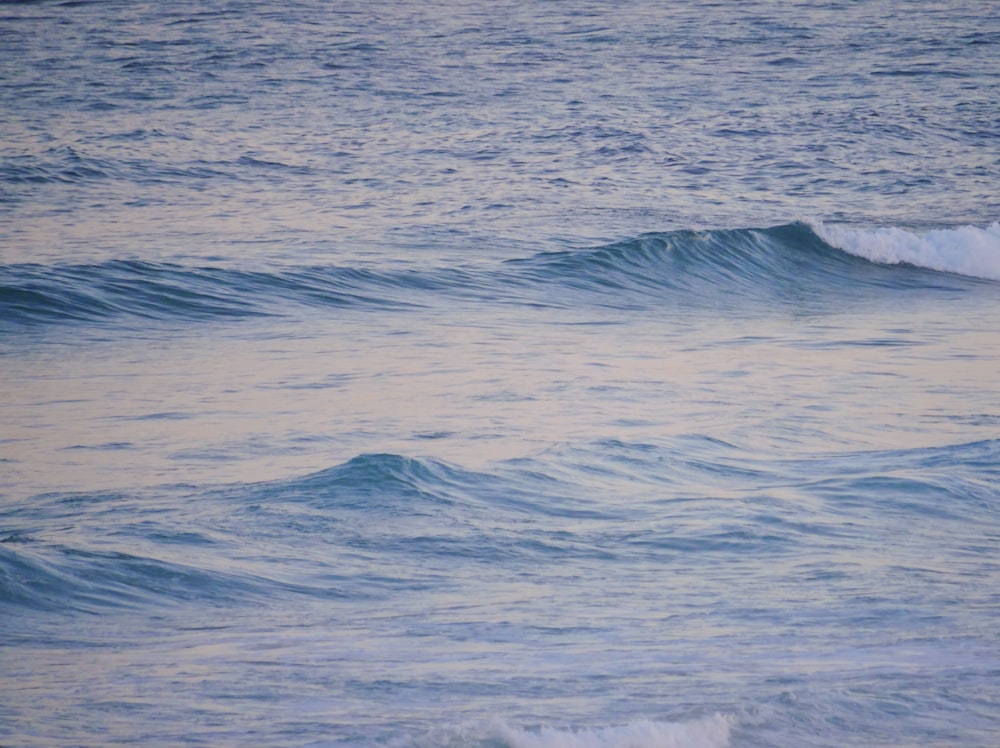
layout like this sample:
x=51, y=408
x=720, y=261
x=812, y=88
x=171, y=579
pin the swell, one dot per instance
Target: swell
x=360, y=530
x=383, y=524
x=794, y=264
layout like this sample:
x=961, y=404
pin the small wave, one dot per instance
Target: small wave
x=796, y=266
x=60, y=165
x=681, y=261
x=37, y=293
x=63, y=579
x=383, y=486
x=370, y=482
x=966, y=250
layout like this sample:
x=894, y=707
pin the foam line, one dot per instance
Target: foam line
x=708, y=732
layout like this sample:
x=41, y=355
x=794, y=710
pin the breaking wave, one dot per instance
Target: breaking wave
x=792, y=264
x=967, y=250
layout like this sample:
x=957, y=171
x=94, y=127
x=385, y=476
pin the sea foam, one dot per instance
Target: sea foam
x=708, y=732
x=965, y=250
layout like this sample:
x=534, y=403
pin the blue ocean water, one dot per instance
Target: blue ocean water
x=511, y=375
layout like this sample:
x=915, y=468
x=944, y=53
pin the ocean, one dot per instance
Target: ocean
x=523, y=374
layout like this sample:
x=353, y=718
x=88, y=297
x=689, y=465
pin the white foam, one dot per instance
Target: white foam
x=709, y=732
x=966, y=250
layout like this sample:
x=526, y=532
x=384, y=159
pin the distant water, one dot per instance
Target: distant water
x=500, y=375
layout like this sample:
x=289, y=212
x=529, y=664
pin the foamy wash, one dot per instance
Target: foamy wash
x=529, y=375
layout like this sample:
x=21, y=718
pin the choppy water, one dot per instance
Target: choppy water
x=519, y=375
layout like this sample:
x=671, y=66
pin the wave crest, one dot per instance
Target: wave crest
x=966, y=250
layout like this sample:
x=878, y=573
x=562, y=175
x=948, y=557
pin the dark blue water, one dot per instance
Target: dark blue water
x=532, y=375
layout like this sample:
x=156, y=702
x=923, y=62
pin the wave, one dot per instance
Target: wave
x=125, y=554
x=790, y=265
x=693, y=266
x=792, y=262
x=379, y=523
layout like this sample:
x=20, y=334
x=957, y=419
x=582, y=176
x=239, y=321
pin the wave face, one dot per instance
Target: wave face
x=787, y=265
x=36, y=294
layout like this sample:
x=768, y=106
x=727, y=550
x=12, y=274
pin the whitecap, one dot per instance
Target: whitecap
x=965, y=250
